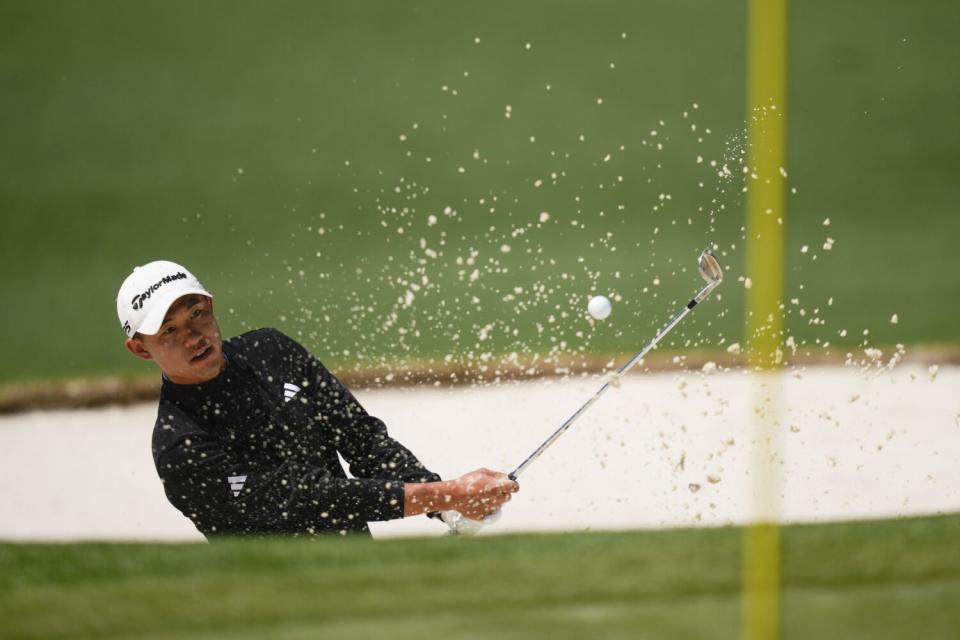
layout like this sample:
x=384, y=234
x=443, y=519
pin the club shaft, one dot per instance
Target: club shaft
x=626, y=367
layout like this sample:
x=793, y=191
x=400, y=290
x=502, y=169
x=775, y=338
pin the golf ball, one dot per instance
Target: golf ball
x=599, y=307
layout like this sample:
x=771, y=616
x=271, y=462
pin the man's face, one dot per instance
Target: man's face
x=187, y=348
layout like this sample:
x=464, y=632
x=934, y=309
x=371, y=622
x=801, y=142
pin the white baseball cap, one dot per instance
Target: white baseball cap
x=147, y=293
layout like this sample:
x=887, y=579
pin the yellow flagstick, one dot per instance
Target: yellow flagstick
x=766, y=220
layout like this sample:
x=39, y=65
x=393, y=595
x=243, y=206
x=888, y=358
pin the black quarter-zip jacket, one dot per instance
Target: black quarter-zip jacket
x=254, y=451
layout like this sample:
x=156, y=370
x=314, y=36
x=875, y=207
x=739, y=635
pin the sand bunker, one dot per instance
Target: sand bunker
x=662, y=450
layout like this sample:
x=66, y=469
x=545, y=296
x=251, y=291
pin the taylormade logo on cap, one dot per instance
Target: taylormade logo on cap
x=147, y=293
x=137, y=302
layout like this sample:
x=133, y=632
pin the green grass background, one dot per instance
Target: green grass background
x=125, y=127
x=876, y=580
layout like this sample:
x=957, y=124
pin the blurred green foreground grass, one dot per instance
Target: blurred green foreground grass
x=876, y=580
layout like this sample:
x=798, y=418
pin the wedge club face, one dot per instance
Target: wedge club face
x=710, y=268
x=711, y=271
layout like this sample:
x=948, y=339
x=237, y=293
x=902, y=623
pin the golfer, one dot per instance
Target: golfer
x=248, y=429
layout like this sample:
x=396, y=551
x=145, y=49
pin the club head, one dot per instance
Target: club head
x=710, y=268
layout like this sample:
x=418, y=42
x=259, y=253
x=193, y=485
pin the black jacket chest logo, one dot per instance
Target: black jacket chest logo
x=290, y=391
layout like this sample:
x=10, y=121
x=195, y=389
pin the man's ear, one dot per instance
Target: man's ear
x=137, y=348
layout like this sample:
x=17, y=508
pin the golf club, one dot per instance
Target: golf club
x=711, y=271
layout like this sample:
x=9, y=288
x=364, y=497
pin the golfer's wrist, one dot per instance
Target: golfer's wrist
x=422, y=497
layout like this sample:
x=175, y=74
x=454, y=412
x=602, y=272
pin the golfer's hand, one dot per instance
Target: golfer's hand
x=481, y=492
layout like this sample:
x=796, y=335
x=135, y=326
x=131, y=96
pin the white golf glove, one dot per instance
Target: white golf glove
x=463, y=526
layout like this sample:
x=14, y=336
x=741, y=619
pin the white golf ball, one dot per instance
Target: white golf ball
x=599, y=307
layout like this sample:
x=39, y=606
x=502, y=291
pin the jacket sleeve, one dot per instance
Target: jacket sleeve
x=222, y=494
x=360, y=438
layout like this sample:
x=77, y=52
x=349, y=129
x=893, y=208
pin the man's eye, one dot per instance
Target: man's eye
x=196, y=313
x=169, y=330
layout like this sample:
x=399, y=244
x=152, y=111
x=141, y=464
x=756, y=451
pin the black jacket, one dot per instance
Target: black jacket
x=254, y=451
